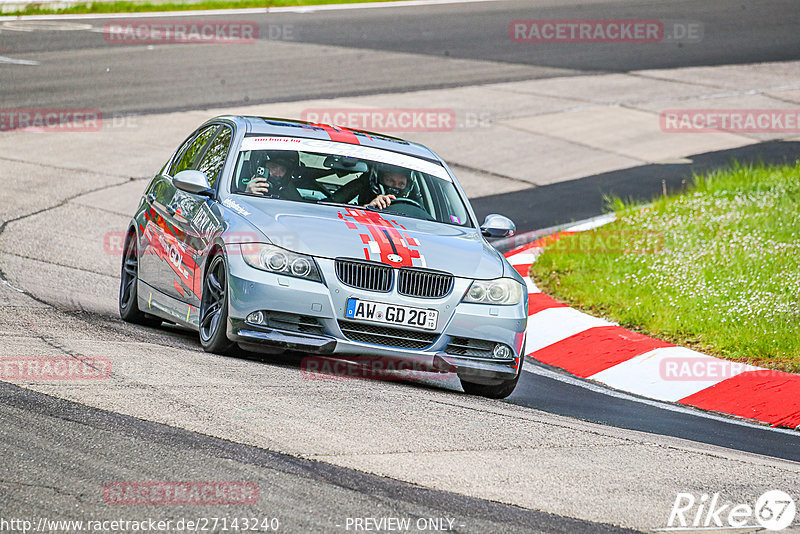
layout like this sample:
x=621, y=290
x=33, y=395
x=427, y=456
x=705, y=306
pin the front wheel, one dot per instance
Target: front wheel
x=214, y=308
x=494, y=391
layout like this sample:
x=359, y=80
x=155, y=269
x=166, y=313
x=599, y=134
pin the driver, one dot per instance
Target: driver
x=387, y=183
x=379, y=187
x=272, y=175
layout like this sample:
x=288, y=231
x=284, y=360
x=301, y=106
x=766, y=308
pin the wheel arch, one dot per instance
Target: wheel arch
x=133, y=229
x=216, y=248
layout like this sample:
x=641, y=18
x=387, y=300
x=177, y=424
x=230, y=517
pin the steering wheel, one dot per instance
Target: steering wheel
x=404, y=200
x=413, y=208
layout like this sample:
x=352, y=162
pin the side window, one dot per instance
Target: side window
x=174, y=162
x=191, y=155
x=215, y=156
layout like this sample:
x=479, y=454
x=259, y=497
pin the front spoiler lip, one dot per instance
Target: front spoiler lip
x=481, y=371
x=253, y=338
x=244, y=334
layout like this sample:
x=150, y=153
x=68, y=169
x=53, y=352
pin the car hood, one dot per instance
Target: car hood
x=352, y=232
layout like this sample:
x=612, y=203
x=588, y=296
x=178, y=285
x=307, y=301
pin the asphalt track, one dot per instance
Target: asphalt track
x=551, y=391
x=435, y=47
x=326, y=53
x=50, y=436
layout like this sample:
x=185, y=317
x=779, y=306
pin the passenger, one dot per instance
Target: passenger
x=272, y=175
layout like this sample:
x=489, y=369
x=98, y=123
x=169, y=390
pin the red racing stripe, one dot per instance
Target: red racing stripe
x=596, y=349
x=389, y=239
x=539, y=301
x=769, y=396
x=340, y=135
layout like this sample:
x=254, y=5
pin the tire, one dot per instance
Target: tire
x=214, y=308
x=495, y=391
x=128, y=291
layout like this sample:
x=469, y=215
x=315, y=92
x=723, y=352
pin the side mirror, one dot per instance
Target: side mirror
x=498, y=226
x=194, y=182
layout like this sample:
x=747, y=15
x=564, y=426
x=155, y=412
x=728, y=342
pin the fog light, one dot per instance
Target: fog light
x=502, y=352
x=256, y=318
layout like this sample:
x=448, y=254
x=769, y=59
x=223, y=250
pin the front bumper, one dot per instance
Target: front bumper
x=258, y=338
x=253, y=290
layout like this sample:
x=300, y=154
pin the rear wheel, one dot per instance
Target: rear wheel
x=214, y=308
x=128, y=290
x=494, y=391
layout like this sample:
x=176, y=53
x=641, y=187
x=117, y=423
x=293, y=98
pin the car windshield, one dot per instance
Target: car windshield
x=322, y=177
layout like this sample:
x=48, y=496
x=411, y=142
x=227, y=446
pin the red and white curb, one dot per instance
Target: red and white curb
x=601, y=351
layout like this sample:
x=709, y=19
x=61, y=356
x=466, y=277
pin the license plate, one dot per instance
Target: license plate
x=379, y=312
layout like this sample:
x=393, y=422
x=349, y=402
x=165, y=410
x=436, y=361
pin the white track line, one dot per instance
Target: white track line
x=7, y=283
x=591, y=224
x=249, y=11
x=571, y=380
x=13, y=61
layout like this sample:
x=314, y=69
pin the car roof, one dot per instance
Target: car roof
x=296, y=128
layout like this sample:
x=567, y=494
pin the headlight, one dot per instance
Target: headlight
x=500, y=291
x=277, y=260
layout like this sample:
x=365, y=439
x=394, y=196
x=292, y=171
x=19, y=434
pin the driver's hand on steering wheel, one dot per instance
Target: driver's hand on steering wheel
x=258, y=185
x=381, y=201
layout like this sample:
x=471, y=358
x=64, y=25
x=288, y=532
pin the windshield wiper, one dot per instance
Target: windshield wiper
x=355, y=206
x=342, y=204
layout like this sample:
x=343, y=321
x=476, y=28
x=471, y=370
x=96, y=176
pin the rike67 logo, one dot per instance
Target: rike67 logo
x=774, y=510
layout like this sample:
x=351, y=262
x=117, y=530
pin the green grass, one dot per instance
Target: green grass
x=716, y=269
x=133, y=7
